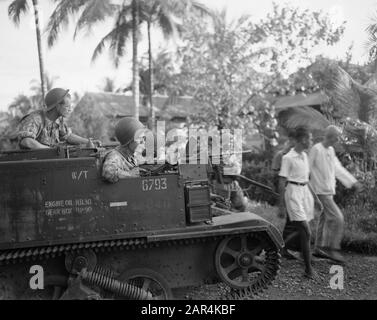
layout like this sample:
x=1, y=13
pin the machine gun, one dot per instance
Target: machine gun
x=218, y=172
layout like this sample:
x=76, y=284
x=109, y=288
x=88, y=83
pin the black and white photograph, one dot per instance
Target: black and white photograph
x=210, y=153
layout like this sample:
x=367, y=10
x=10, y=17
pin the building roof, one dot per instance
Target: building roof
x=176, y=107
x=300, y=100
x=114, y=105
x=111, y=105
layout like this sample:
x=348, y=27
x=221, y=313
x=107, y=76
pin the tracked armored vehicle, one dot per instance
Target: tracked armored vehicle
x=140, y=238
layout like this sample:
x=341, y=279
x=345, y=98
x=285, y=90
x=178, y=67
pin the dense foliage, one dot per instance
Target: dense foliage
x=232, y=67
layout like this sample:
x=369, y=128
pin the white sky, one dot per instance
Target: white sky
x=70, y=60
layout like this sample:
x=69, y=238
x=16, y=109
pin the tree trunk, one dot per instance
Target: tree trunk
x=39, y=43
x=135, y=62
x=151, y=84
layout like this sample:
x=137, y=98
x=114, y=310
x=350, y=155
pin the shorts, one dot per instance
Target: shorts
x=299, y=202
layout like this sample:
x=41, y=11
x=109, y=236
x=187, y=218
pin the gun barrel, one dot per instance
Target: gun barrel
x=258, y=184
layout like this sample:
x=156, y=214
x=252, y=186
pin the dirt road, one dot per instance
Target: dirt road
x=360, y=282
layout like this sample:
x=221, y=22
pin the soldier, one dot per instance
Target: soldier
x=43, y=129
x=227, y=184
x=121, y=162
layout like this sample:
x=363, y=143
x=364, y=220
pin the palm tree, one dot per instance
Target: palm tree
x=129, y=15
x=15, y=9
x=160, y=13
x=162, y=65
x=371, y=44
x=135, y=63
x=128, y=19
x=93, y=11
x=163, y=14
x=157, y=11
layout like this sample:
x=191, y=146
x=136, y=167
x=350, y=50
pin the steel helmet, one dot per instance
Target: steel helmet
x=126, y=129
x=54, y=97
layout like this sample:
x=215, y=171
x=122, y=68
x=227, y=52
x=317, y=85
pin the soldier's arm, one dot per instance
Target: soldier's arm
x=113, y=174
x=31, y=143
x=66, y=135
x=28, y=132
x=112, y=169
x=75, y=139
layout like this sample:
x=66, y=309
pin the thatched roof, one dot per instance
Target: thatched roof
x=301, y=100
x=113, y=105
x=176, y=107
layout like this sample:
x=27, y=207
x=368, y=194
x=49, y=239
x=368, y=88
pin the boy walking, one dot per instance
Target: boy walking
x=296, y=198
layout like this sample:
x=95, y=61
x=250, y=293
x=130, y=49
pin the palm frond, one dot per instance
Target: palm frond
x=118, y=42
x=167, y=23
x=368, y=101
x=60, y=18
x=356, y=100
x=371, y=43
x=343, y=93
x=116, y=38
x=101, y=45
x=95, y=11
x=372, y=28
x=16, y=8
x=292, y=118
x=201, y=8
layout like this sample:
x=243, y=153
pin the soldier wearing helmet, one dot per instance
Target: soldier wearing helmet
x=46, y=128
x=121, y=162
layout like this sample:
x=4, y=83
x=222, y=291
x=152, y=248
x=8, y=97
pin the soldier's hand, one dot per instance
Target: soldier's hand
x=93, y=143
x=90, y=143
x=97, y=143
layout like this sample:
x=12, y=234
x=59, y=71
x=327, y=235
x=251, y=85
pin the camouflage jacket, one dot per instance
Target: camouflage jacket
x=116, y=166
x=37, y=126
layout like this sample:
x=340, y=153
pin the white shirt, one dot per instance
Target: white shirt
x=295, y=167
x=324, y=168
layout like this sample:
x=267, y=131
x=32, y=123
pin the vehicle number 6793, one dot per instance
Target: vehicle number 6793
x=154, y=184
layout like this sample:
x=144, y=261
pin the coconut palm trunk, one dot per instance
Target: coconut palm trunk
x=151, y=82
x=39, y=44
x=135, y=62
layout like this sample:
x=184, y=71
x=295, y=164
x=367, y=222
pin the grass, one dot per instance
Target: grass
x=360, y=232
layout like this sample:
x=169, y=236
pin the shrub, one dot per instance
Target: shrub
x=258, y=167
